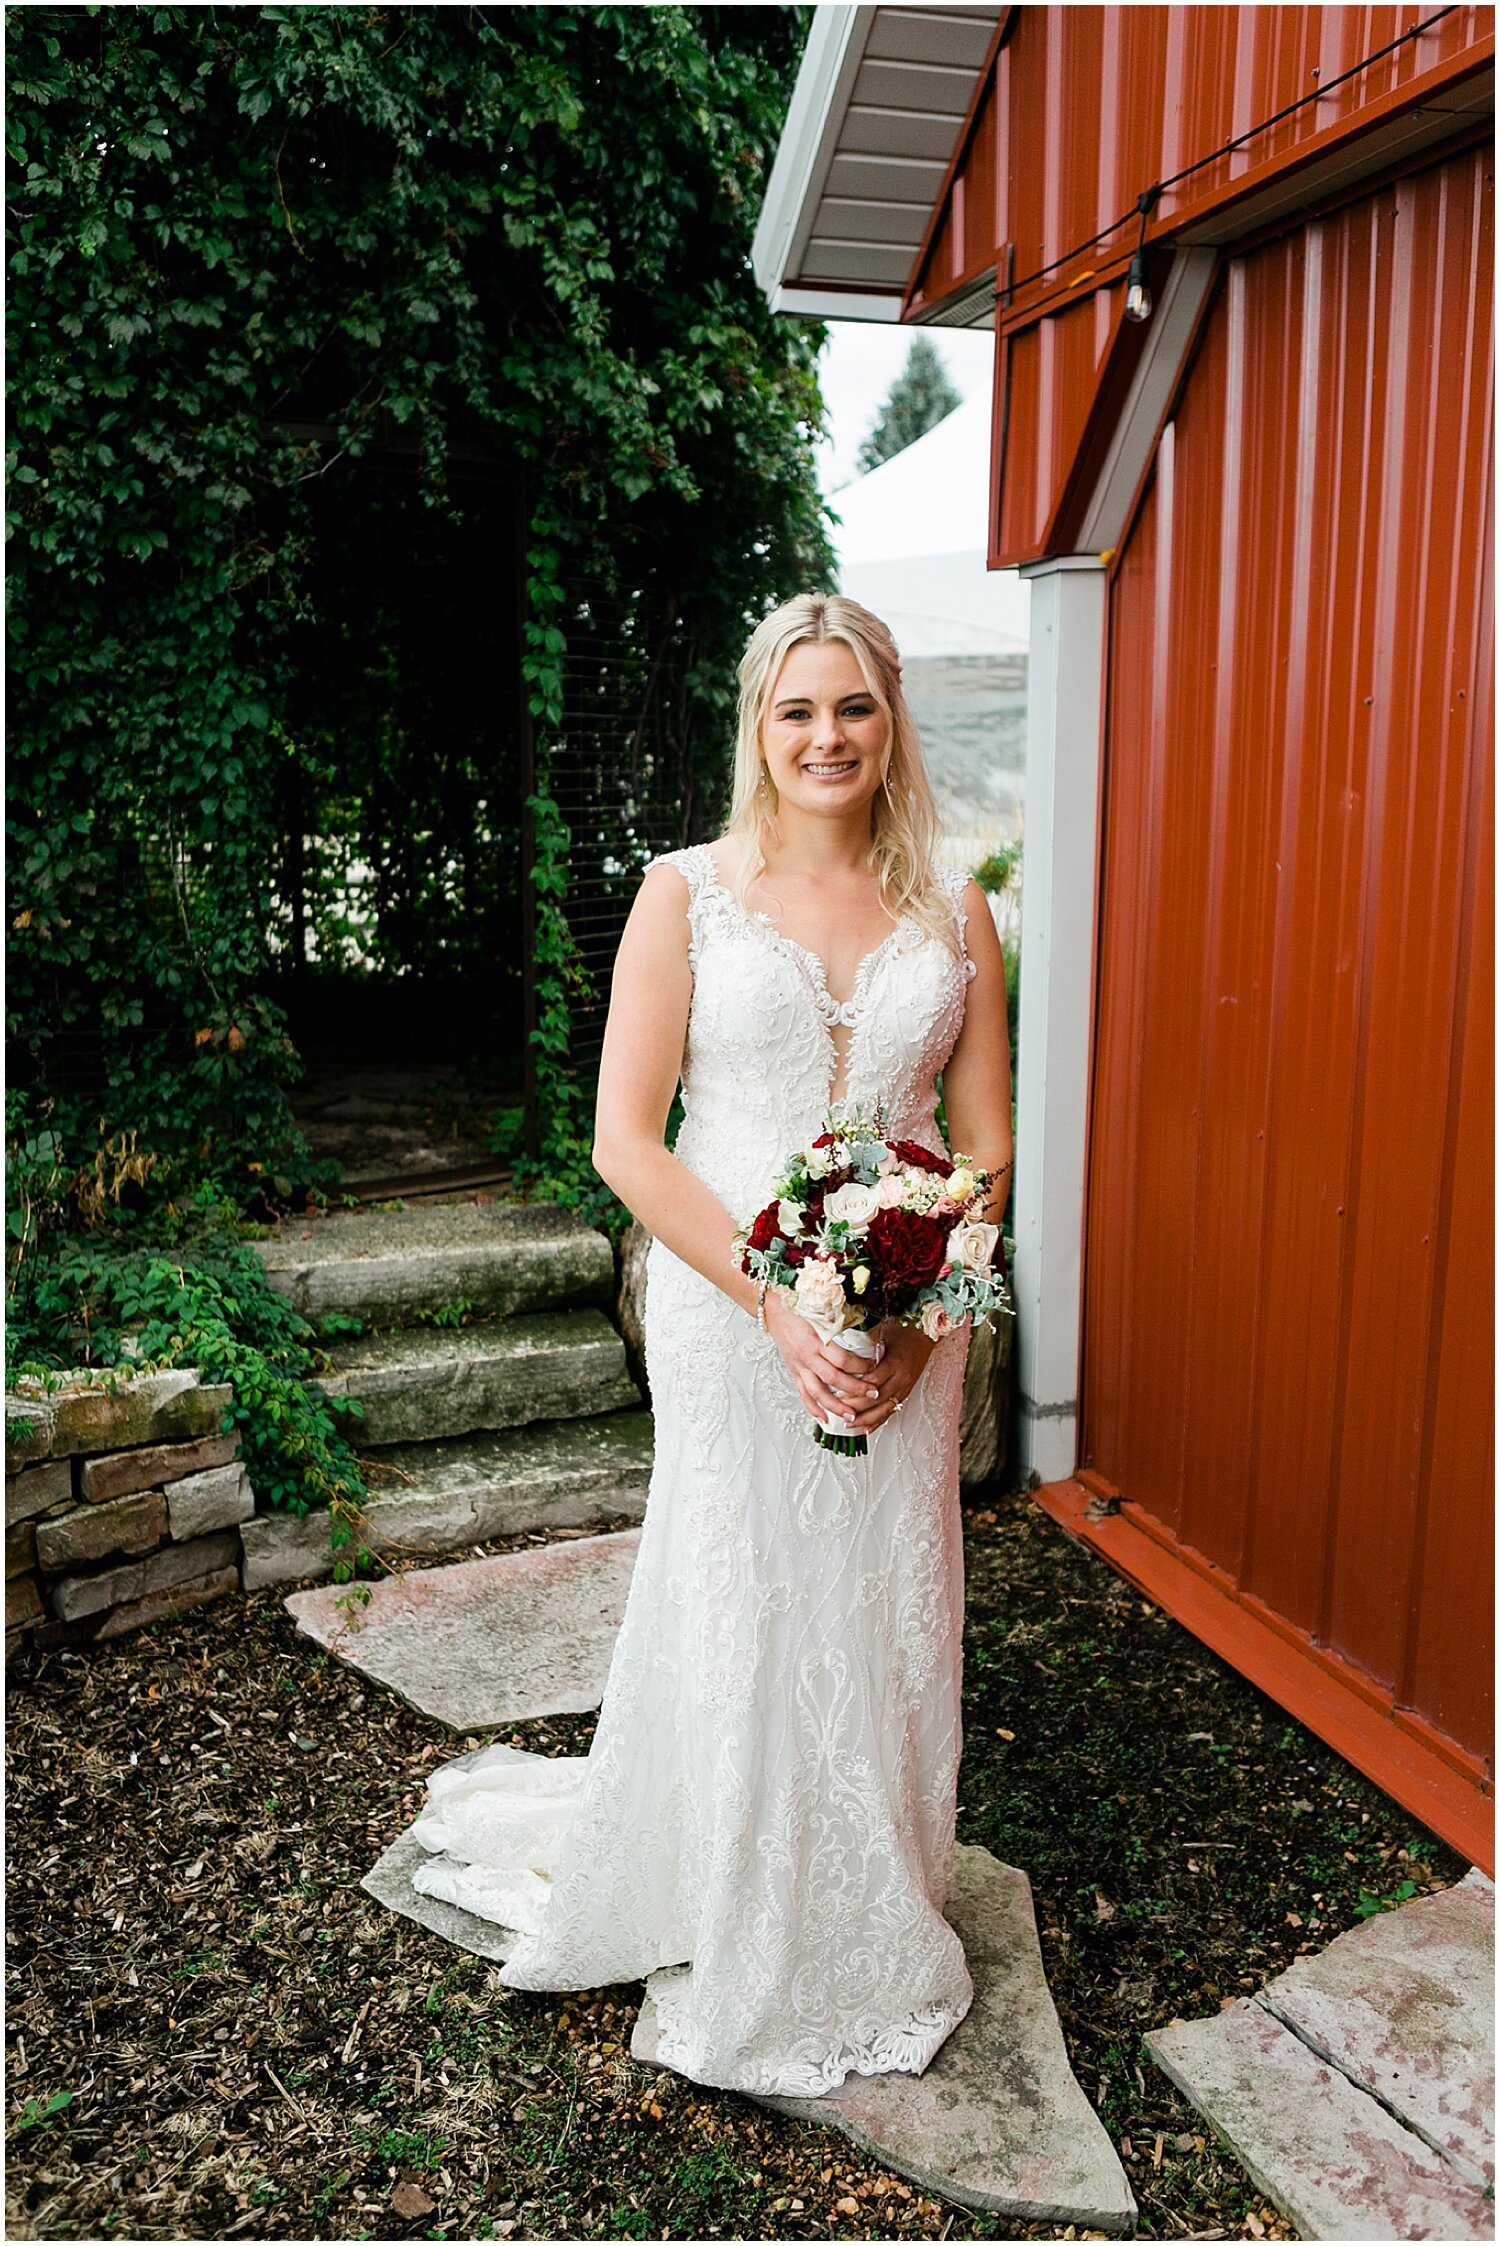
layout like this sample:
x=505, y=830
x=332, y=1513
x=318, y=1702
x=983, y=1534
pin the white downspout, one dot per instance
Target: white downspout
x=1064, y=729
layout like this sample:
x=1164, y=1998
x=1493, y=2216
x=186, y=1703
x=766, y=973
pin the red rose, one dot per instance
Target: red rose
x=905, y=1253
x=920, y=1157
x=765, y=1229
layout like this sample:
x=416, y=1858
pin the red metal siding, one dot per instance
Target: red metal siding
x=1289, y=1285
x=1053, y=374
x=1093, y=105
x=961, y=244
x=1089, y=107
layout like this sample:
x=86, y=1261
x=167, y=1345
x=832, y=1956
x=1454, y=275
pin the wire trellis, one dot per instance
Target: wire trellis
x=620, y=773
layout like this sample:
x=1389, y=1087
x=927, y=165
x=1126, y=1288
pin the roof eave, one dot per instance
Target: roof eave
x=804, y=154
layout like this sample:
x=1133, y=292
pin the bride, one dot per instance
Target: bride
x=764, y=1825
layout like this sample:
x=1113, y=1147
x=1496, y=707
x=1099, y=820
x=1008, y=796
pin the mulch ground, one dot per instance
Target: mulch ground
x=213, y=2033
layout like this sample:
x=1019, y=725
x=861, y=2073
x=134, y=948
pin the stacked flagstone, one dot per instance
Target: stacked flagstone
x=123, y=1502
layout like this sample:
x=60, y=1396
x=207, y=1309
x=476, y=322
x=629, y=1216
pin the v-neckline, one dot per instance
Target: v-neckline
x=837, y=1011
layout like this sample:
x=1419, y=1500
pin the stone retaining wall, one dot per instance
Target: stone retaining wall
x=123, y=1503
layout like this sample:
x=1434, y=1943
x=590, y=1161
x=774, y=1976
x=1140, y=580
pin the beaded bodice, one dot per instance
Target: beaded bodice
x=762, y=1064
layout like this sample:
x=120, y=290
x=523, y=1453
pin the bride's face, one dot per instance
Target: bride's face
x=825, y=736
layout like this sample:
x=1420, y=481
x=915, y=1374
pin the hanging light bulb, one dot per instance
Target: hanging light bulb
x=1137, y=295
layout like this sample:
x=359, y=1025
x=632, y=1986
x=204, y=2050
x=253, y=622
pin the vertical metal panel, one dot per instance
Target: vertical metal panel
x=1455, y=1547
x=1097, y=103
x=1289, y=1287
x=1091, y=106
x=1054, y=374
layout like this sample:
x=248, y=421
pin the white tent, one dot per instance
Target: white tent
x=912, y=538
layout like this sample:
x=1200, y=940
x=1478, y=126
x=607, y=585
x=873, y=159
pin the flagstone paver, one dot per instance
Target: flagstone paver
x=998, y=2121
x=1330, y=2156
x=486, y=1642
x=1405, y=2006
x=389, y=1881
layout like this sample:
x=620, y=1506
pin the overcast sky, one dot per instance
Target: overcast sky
x=861, y=361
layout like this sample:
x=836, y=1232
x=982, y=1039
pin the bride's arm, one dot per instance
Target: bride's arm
x=976, y=1081
x=638, y=1071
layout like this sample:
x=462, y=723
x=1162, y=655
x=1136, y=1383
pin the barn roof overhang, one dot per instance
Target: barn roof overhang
x=880, y=101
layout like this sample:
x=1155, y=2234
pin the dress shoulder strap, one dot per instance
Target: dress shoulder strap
x=953, y=881
x=692, y=863
x=704, y=888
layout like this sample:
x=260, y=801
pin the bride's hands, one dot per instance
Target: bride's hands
x=902, y=1363
x=832, y=1382
x=835, y=1384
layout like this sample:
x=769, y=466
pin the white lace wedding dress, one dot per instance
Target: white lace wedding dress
x=764, y=1824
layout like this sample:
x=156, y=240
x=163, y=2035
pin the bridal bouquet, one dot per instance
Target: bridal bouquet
x=866, y=1228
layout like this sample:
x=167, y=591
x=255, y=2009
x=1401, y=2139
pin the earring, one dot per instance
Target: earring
x=760, y=783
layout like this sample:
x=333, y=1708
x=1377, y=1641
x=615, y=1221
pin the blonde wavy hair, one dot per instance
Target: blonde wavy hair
x=903, y=816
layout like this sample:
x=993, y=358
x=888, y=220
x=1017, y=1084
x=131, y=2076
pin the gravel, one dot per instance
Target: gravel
x=214, y=2034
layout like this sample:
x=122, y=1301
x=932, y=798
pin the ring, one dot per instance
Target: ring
x=900, y=1402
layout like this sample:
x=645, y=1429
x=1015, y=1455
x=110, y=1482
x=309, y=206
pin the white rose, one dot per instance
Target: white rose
x=789, y=1215
x=961, y=1186
x=853, y=1204
x=818, y=1161
x=935, y=1321
x=891, y=1191
x=820, y=1296
x=971, y=1246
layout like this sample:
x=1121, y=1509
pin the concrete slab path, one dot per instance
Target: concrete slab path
x=487, y=1642
x=1358, y=2087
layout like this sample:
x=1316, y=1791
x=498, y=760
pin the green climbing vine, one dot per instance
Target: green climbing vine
x=246, y=246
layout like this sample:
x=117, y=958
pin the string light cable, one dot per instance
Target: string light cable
x=1147, y=200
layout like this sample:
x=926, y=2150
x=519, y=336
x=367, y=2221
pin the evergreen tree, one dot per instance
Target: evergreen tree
x=921, y=396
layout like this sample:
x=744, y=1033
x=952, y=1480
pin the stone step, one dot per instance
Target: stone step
x=422, y=1382
x=449, y=1495
x=387, y=1264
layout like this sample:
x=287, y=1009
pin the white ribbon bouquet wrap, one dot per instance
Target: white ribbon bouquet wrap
x=867, y=1229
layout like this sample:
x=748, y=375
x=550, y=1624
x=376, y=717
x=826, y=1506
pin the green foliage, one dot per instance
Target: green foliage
x=1370, y=1905
x=996, y=872
x=129, y=1295
x=564, y=1170
x=40, y=2114
x=525, y=228
x=920, y=397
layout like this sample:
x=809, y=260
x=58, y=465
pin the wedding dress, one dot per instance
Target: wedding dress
x=764, y=1825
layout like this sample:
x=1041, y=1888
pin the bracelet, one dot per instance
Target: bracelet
x=760, y=1303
